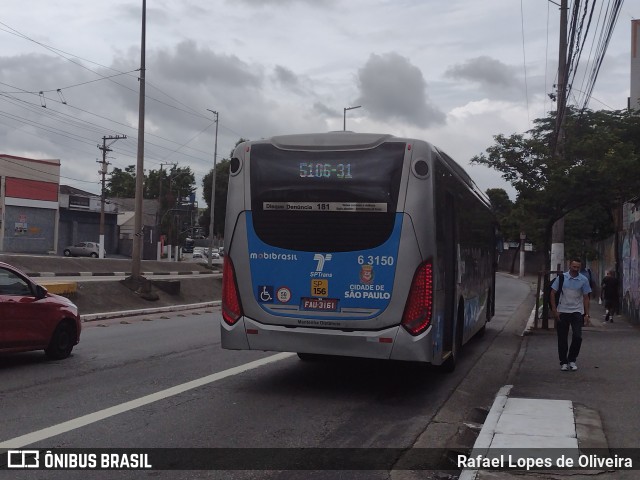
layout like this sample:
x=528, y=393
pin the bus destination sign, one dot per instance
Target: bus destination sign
x=358, y=207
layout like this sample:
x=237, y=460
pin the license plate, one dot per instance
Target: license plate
x=320, y=304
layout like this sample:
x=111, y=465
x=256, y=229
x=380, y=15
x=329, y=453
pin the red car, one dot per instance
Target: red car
x=33, y=319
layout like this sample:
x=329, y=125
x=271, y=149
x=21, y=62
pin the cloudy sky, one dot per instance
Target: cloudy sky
x=454, y=72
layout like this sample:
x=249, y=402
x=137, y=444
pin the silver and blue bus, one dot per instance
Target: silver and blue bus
x=354, y=244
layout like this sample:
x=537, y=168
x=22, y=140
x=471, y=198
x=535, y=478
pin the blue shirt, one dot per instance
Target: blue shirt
x=573, y=291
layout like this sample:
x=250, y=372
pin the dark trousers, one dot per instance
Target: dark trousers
x=575, y=321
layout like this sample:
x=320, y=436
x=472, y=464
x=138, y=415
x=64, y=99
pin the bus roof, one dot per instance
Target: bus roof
x=329, y=140
x=347, y=140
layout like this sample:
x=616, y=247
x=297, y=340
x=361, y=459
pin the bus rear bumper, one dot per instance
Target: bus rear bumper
x=393, y=343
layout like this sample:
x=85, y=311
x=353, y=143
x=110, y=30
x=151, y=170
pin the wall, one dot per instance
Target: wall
x=28, y=204
x=150, y=241
x=533, y=262
x=78, y=226
x=29, y=230
x=628, y=264
x=629, y=269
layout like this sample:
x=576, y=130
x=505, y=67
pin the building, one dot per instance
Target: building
x=126, y=225
x=80, y=219
x=29, y=208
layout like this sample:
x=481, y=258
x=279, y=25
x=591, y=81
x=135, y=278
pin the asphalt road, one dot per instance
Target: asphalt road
x=99, y=397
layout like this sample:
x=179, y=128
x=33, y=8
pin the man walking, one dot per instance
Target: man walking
x=570, y=309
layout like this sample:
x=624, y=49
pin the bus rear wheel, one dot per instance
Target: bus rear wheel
x=449, y=364
x=309, y=357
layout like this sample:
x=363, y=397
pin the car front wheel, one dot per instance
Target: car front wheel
x=62, y=342
x=67, y=253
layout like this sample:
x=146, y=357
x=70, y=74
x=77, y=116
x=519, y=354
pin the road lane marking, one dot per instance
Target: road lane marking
x=45, y=433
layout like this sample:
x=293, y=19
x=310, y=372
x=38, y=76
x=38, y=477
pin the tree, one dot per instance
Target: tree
x=175, y=189
x=122, y=183
x=178, y=182
x=585, y=226
x=171, y=187
x=220, y=205
x=501, y=204
x=599, y=165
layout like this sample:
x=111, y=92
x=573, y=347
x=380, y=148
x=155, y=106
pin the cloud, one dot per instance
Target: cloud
x=490, y=74
x=190, y=64
x=392, y=88
x=325, y=111
x=285, y=76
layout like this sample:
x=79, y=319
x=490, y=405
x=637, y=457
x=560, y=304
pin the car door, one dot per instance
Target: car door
x=22, y=320
x=82, y=249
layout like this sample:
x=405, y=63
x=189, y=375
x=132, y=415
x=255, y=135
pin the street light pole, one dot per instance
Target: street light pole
x=344, y=116
x=213, y=191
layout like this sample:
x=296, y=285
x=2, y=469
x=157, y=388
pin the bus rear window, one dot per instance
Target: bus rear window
x=325, y=200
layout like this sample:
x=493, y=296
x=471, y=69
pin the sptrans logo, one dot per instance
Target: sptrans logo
x=283, y=257
x=321, y=259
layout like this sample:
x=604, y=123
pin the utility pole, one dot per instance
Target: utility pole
x=161, y=175
x=136, y=256
x=213, y=191
x=103, y=172
x=557, y=234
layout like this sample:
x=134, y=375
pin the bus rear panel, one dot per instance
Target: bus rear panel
x=335, y=246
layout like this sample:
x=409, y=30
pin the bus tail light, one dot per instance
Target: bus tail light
x=231, y=306
x=419, y=307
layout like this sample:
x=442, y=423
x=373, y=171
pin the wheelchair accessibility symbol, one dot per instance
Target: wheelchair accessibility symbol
x=265, y=293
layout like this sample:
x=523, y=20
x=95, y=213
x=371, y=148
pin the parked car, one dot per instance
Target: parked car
x=84, y=249
x=33, y=319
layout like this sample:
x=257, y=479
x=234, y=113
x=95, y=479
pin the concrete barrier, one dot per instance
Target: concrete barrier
x=59, y=287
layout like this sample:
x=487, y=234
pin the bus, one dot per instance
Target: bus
x=354, y=244
x=188, y=246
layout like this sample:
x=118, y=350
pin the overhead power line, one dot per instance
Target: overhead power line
x=74, y=120
x=70, y=58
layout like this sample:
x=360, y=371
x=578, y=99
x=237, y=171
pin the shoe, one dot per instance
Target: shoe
x=573, y=366
x=564, y=367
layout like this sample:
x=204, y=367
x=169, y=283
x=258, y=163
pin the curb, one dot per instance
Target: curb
x=488, y=429
x=530, y=327
x=91, y=317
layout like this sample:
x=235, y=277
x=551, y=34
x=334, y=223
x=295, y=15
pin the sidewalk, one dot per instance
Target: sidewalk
x=542, y=407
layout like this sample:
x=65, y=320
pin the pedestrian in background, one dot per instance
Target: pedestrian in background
x=609, y=295
x=589, y=276
x=570, y=310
